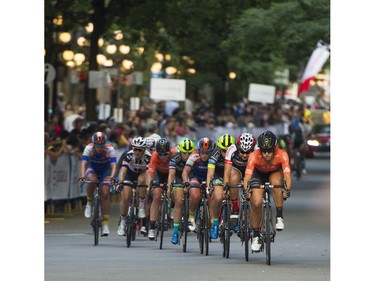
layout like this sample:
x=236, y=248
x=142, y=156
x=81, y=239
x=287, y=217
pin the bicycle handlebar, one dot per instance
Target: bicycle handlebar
x=131, y=184
x=268, y=185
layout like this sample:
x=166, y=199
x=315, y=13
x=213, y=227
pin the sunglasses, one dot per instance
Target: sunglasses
x=204, y=153
x=267, y=151
x=163, y=154
x=243, y=152
x=138, y=149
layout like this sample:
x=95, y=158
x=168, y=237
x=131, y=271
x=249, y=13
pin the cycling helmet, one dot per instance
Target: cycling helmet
x=186, y=145
x=267, y=141
x=139, y=142
x=225, y=141
x=246, y=142
x=206, y=145
x=152, y=140
x=163, y=145
x=99, y=138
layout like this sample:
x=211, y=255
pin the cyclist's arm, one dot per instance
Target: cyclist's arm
x=227, y=171
x=122, y=173
x=185, y=173
x=210, y=173
x=84, y=165
x=171, y=175
x=113, y=170
x=286, y=168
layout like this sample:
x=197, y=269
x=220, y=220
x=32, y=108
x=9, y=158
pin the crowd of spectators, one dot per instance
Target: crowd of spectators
x=67, y=131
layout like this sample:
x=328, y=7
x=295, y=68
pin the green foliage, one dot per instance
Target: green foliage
x=252, y=38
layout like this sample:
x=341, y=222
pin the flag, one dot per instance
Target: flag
x=314, y=65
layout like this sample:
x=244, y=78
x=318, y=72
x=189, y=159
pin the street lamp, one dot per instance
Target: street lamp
x=118, y=53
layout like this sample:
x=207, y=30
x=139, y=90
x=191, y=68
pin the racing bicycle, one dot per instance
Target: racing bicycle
x=268, y=229
x=96, y=210
x=163, y=221
x=225, y=228
x=203, y=220
x=131, y=219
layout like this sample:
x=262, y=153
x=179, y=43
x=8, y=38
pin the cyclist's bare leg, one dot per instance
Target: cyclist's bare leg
x=276, y=178
x=194, y=196
x=142, y=193
x=256, y=199
x=106, y=203
x=216, y=200
x=177, y=211
x=235, y=178
x=155, y=205
x=125, y=200
x=90, y=188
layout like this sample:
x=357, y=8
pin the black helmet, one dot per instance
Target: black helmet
x=163, y=145
x=267, y=141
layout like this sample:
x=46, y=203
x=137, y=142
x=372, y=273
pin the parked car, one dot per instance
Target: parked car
x=319, y=141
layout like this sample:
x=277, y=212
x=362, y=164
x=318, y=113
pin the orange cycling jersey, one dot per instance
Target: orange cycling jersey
x=157, y=165
x=280, y=159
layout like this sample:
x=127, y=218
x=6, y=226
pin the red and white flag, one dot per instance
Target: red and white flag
x=315, y=64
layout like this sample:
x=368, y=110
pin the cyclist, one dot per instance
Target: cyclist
x=235, y=166
x=98, y=163
x=197, y=165
x=269, y=163
x=133, y=168
x=297, y=133
x=151, y=142
x=156, y=176
x=215, y=174
x=176, y=166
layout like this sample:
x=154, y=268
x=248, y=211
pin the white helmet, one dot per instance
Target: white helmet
x=246, y=142
x=152, y=140
x=139, y=143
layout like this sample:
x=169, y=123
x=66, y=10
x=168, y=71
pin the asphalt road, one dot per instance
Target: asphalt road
x=300, y=252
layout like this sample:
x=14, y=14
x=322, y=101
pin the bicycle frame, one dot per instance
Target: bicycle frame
x=268, y=229
x=244, y=222
x=131, y=222
x=184, y=229
x=96, y=211
x=162, y=224
x=226, y=228
x=203, y=223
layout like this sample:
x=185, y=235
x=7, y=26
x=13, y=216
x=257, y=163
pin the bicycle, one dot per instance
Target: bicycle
x=243, y=217
x=163, y=223
x=96, y=210
x=225, y=225
x=298, y=165
x=131, y=220
x=203, y=221
x=184, y=224
x=268, y=230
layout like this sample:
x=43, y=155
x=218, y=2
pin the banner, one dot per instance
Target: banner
x=314, y=65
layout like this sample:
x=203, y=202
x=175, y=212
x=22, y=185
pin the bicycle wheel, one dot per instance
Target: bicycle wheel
x=96, y=219
x=199, y=228
x=299, y=165
x=268, y=233
x=163, y=212
x=227, y=228
x=185, y=224
x=222, y=227
x=130, y=224
x=245, y=232
x=206, y=227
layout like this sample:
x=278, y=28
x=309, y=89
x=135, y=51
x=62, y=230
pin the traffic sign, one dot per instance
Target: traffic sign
x=49, y=73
